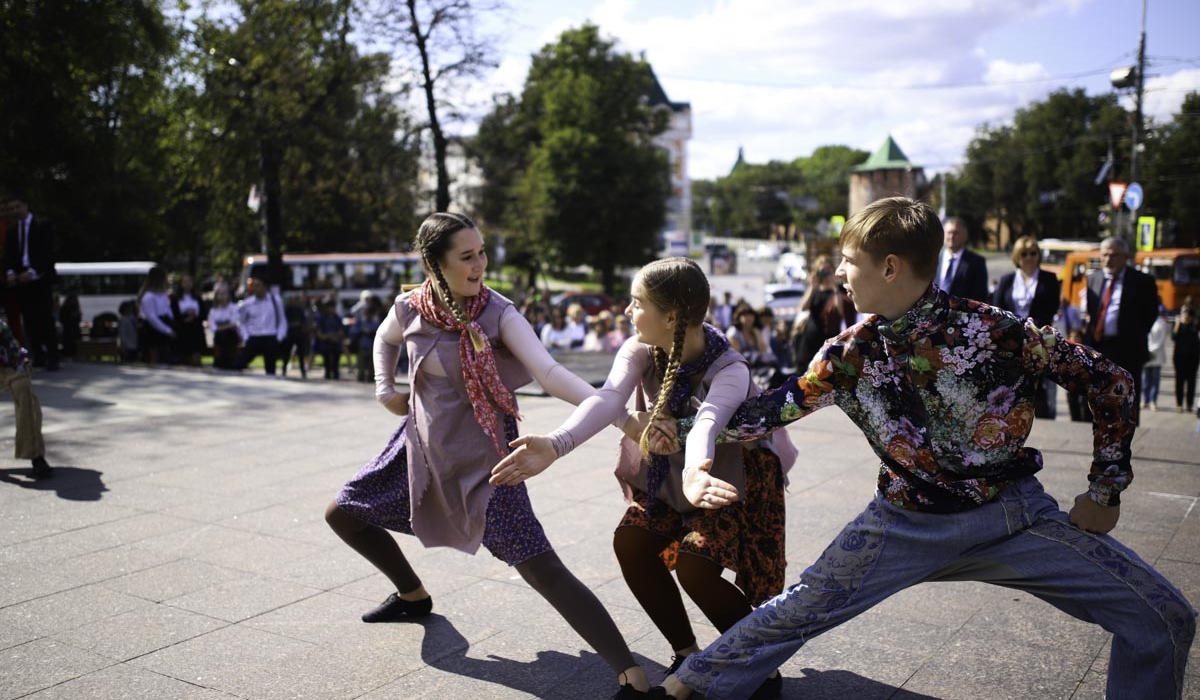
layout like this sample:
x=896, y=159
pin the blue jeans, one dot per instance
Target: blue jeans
x=1020, y=540
x=1151, y=377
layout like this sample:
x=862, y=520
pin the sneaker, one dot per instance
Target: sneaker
x=770, y=689
x=41, y=470
x=628, y=692
x=396, y=608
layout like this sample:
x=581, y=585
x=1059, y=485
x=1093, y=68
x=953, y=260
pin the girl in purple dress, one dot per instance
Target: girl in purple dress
x=469, y=348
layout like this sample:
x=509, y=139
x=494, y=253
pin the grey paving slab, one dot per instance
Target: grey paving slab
x=242, y=598
x=172, y=579
x=156, y=626
x=69, y=609
x=42, y=663
x=183, y=554
x=124, y=682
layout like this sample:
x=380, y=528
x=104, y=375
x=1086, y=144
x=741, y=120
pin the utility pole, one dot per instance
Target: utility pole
x=1140, y=77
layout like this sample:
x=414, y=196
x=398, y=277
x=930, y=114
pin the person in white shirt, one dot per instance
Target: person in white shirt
x=223, y=322
x=158, y=320
x=262, y=325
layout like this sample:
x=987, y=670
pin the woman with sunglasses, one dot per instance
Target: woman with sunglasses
x=1031, y=292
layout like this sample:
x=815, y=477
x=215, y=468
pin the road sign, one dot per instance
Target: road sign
x=1145, y=233
x=1133, y=196
x=1116, y=190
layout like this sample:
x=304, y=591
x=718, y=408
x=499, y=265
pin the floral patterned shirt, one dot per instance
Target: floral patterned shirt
x=945, y=396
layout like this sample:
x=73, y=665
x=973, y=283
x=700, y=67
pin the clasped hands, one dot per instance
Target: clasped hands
x=533, y=454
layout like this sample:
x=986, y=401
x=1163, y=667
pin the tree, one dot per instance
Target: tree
x=82, y=93
x=595, y=185
x=1172, y=172
x=439, y=37
x=287, y=105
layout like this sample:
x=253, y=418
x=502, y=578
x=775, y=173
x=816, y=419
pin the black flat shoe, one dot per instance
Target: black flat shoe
x=41, y=470
x=396, y=608
x=628, y=692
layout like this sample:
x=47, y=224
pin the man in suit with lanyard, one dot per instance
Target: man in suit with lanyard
x=961, y=272
x=29, y=267
x=1122, y=304
x=262, y=324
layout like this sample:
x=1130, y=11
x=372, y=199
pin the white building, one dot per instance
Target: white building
x=674, y=141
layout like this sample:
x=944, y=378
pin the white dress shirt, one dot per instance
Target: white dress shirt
x=262, y=317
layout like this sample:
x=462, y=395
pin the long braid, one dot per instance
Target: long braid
x=459, y=313
x=667, y=380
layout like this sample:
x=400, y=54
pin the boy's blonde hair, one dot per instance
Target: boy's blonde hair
x=897, y=226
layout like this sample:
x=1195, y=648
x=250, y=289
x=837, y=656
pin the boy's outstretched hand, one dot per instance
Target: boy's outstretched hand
x=704, y=490
x=663, y=438
x=530, y=456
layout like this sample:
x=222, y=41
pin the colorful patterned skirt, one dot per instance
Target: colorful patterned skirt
x=746, y=537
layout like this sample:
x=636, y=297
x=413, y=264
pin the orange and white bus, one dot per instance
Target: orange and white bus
x=1176, y=271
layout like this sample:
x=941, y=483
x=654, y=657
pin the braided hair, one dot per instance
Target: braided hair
x=433, y=242
x=675, y=286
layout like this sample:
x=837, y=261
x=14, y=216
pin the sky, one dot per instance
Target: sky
x=779, y=78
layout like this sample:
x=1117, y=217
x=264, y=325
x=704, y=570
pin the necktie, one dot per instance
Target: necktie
x=1098, y=331
x=949, y=276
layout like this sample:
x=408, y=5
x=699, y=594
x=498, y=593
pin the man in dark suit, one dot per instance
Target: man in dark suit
x=29, y=267
x=961, y=272
x=1122, y=304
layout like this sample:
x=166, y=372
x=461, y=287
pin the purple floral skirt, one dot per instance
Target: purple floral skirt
x=379, y=495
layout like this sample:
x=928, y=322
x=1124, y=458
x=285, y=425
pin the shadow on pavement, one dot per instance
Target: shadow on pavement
x=445, y=649
x=70, y=483
x=816, y=684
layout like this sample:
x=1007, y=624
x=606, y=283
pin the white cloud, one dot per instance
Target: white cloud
x=781, y=79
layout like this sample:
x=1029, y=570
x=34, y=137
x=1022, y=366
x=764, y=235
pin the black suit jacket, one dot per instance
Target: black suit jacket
x=970, y=277
x=1139, y=309
x=41, y=249
x=1045, y=297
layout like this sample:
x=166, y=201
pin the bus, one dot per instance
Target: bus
x=1055, y=250
x=101, y=286
x=1176, y=272
x=345, y=275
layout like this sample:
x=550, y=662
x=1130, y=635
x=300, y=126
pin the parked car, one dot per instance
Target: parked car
x=784, y=299
x=592, y=302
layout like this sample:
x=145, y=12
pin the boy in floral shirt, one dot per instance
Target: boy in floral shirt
x=944, y=388
x=14, y=375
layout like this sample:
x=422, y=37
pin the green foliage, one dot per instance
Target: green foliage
x=755, y=200
x=81, y=88
x=574, y=172
x=1172, y=173
x=286, y=104
x=1037, y=176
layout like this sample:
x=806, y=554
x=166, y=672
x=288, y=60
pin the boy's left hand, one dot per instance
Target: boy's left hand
x=1090, y=516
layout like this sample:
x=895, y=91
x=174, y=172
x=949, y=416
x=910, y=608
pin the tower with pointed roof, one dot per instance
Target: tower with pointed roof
x=887, y=173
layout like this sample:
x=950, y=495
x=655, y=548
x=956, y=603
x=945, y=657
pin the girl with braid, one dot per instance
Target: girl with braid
x=683, y=367
x=469, y=348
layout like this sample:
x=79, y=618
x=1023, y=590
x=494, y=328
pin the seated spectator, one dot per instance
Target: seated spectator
x=596, y=339
x=554, y=335
x=622, y=332
x=577, y=325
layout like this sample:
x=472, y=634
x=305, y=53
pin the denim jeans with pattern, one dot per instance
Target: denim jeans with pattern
x=1020, y=540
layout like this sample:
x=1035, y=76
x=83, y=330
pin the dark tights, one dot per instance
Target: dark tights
x=720, y=600
x=545, y=573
